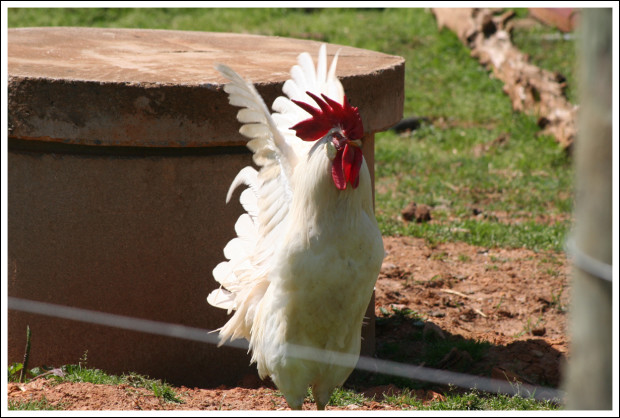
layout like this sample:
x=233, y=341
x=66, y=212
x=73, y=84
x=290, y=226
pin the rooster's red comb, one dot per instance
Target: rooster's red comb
x=330, y=114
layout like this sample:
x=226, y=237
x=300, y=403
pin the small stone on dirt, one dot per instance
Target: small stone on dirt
x=418, y=212
x=455, y=359
x=432, y=331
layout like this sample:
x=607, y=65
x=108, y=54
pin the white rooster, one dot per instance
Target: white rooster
x=302, y=268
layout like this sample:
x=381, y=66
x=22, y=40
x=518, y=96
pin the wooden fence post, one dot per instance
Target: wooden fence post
x=589, y=375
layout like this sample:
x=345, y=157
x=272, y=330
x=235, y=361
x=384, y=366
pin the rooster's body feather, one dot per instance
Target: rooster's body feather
x=308, y=249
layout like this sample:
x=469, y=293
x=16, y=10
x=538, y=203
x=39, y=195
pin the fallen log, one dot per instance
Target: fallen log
x=531, y=89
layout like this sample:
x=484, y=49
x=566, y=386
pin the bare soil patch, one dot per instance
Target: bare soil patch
x=512, y=299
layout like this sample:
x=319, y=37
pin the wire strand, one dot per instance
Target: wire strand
x=587, y=263
x=365, y=363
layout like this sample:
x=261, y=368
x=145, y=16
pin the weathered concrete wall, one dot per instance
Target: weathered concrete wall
x=122, y=146
x=129, y=235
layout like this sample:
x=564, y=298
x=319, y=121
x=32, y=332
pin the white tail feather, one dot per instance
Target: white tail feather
x=247, y=176
x=221, y=298
x=250, y=115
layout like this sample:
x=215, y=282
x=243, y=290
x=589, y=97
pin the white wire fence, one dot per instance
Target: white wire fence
x=365, y=363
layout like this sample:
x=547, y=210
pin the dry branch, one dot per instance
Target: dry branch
x=531, y=89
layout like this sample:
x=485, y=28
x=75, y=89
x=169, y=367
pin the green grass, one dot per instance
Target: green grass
x=457, y=170
x=344, y=397
x=80, y=373
x=37, y=405
x=470, y=401
x=400, y=315
x=454, y=400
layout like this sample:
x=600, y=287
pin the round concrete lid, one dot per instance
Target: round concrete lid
x=133, y=87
